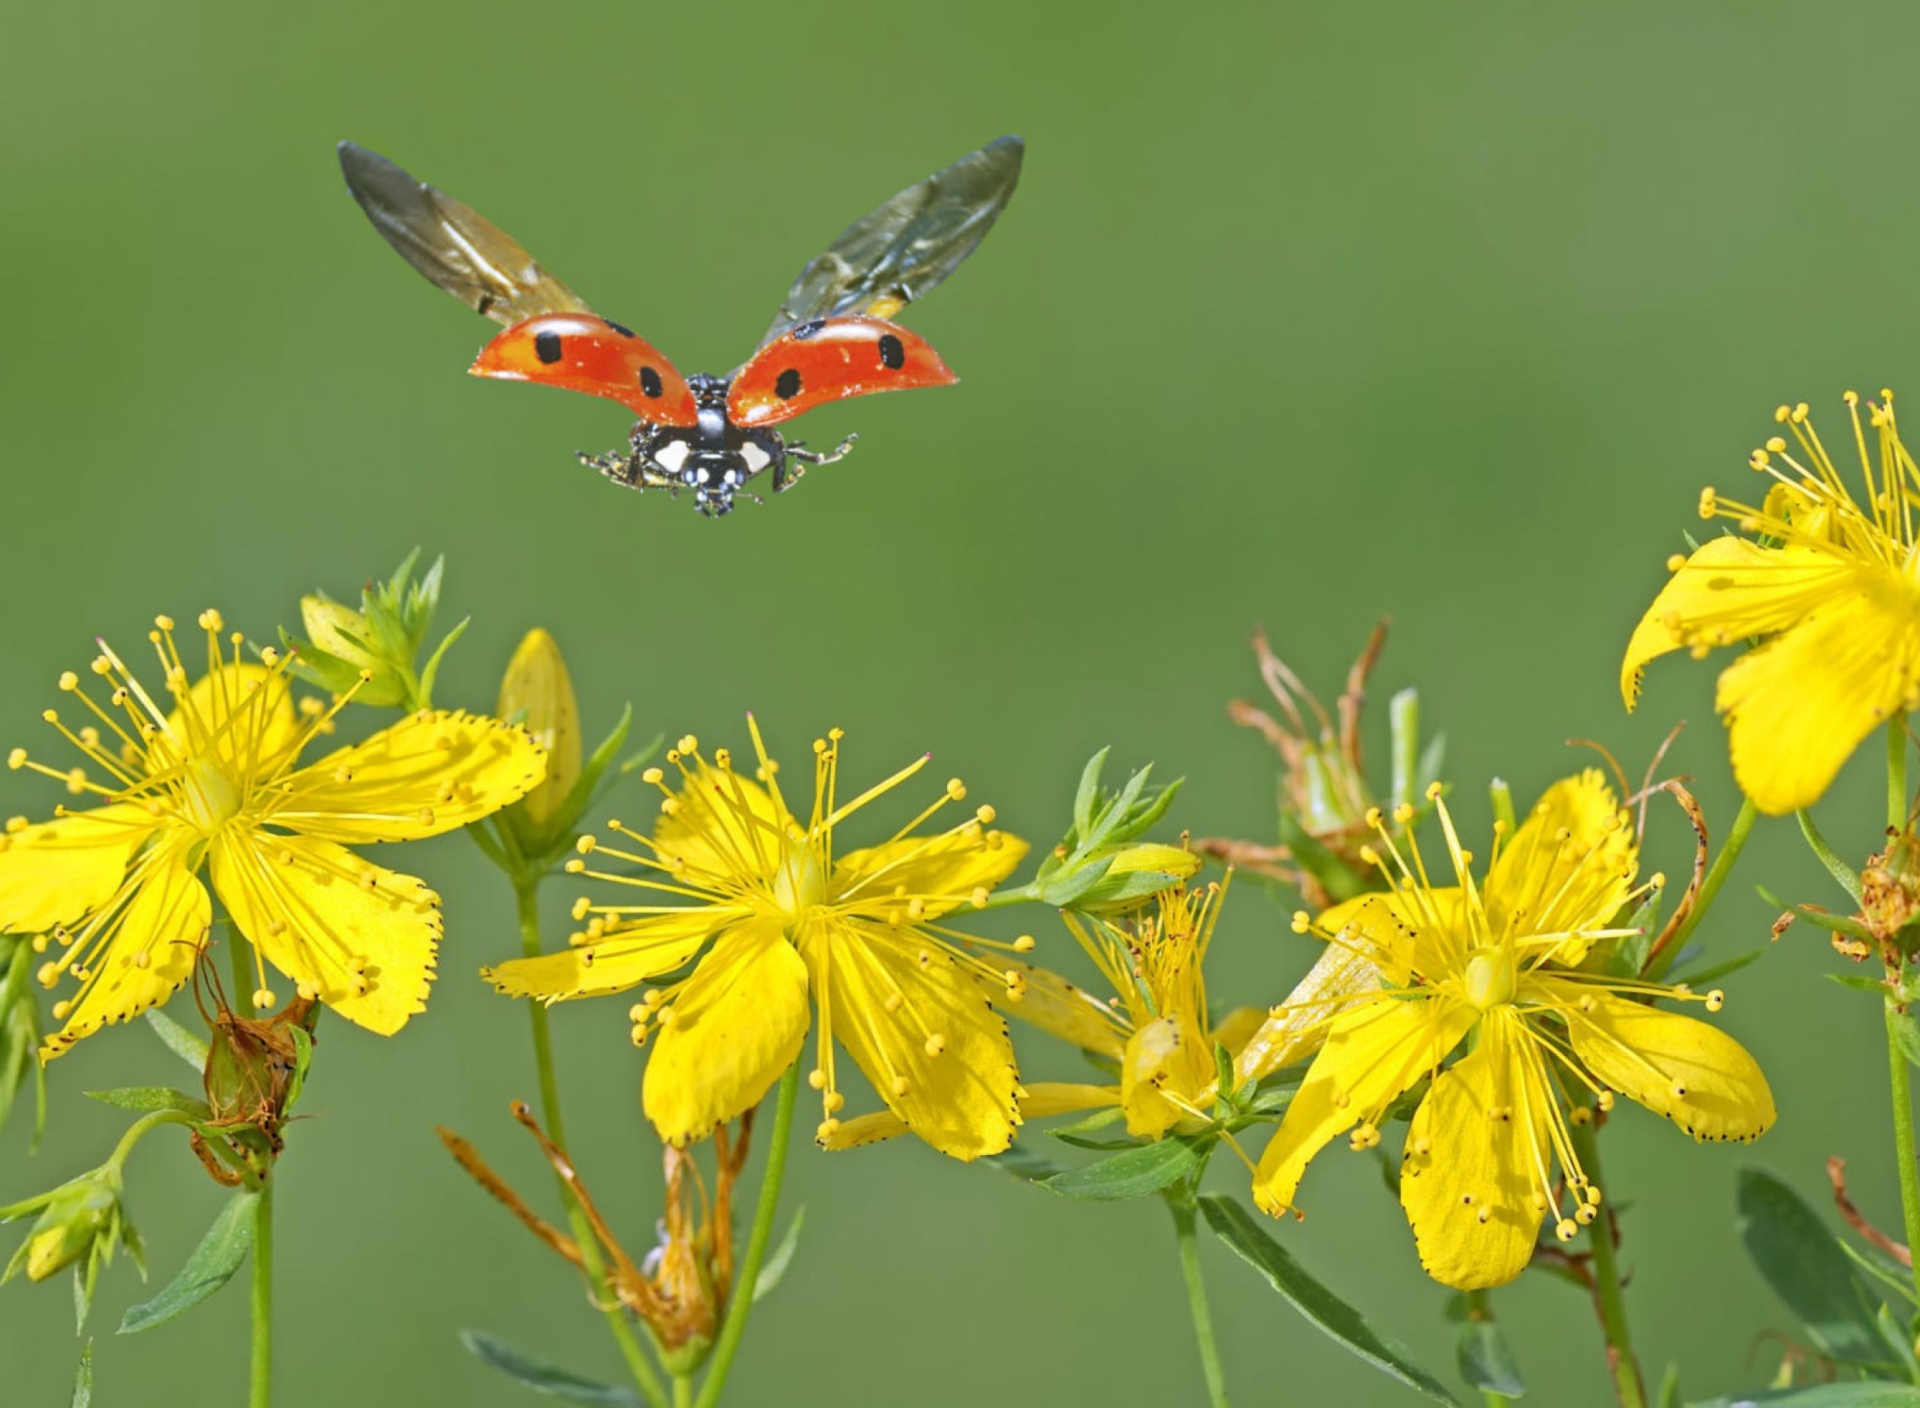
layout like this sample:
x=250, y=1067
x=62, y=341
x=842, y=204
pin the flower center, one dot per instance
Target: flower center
x=799, y=883
x=210, y=796
x=1488, y=977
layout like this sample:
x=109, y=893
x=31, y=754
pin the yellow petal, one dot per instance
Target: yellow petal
x=1373, y=1056
x=360, y=938
x=862, y=1130
x=56, y=872
x=939, y=1055
x=736, y=1024
x=1298, y=1027
x=647, y=948
x=940, y=871
x=1047, y=1097
x=1686, y=1070
x=1477, y=1162
x=1072, y=1014
x=242, y=715
x=1729, y=590
x=1156, y=1063
x=1798, y=706
x=150, y=944
x=720, y=825
x=429, y=773
x=1400, y=933
x=1569, y=868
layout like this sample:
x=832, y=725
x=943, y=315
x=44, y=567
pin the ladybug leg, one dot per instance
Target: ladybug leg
x=797, y=450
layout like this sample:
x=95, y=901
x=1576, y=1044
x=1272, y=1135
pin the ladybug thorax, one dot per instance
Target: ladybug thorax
x=713, y=457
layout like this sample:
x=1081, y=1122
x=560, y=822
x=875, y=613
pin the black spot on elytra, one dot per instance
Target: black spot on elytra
x=650, y=383
x=546, y=346
x=892, y=354
x=624, y=332
x=788, y=385
x=808, y=329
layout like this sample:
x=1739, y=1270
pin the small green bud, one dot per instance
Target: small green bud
x=537, y=692
x=373, y=652
x=339, y=645
x=82, y=1219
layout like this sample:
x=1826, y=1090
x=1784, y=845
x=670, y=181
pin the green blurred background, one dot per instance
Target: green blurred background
x=1301, y=316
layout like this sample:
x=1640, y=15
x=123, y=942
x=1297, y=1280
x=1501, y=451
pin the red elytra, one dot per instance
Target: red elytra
x=830, y=359
x=584, y=352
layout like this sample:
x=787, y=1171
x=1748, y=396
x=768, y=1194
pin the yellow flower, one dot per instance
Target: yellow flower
x=1156, y=1028
x=214, y=784
x=1499, y=961
x=780, y=912
x=1829, y=578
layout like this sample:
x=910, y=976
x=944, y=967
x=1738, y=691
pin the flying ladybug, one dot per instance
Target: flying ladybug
x=832, y=338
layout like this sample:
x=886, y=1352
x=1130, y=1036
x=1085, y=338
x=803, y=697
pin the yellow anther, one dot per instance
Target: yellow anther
x=817, y=1078
x=1604, y=1100
x=688, y=745
x=69, y=681
x=1375, y=818
x=211, y=622
x=827, y=1129
x=980, y=896
x=1676, y=562
x=17, y=759
x=48, y=974
x=1716, y=1000
x=165, y=623
x=935, y=1044
x=1585, y=1214
x=263, y=998
x=1302, y=921
x=1023, y=944
x=956, y=789
x=1403, y=813
x=985, y=815
x=653, y=777
x=1434, y=790
x=833, y=1102
x=574, y=866
x=901, y=1087
x=60, y=1010
x=585, y=845
x=1580, y=1114
x=1593, y=1195
x=1565, y=1229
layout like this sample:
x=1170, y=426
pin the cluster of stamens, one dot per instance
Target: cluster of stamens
x=751, y=864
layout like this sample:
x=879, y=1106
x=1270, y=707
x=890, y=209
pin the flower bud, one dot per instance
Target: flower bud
x=373, y=653
x=341, y=649
x=81, y=1224
x=1134, y=872
x=537, y=692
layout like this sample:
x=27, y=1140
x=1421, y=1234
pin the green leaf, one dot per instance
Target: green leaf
x=1865, y=1395
x=179, y=1040
x=145, y=1098
x=1878, y=1266
x=1804, y=1264
x=83, y=1379
x=775, y=1266
x=1088, y=791
x=1860, y=982
x=1403, y=733
x=1235, y=1226
x=209, y=1268
x=1899, y=1339
x=543, y=1377
x=1848, y=877
x=1669, y=1395
x=1486, y=1360
x=1133, y=1173
x=1024, y=1164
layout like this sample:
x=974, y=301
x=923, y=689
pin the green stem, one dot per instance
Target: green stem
x=1897, y=772
x=1197, y=1302
x=740, y=1297
x=1627, y=1384
x=682, y=1391
x=1903, y=1131
x=1717, y=875
x=261, y=1380
x=139, y=1130
x=527, y=894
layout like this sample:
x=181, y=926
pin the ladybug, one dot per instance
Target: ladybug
x=832, y=338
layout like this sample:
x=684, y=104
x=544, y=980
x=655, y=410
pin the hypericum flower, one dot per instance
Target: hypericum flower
x=214, y=784
x=1499, y=960
x=786, y=913
x=1829, y=578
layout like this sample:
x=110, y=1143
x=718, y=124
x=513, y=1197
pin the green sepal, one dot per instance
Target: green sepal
x=543, y=1377
x=83, y=1379
x=1848, y=877
x=1235, y=1226
x=208, y=1268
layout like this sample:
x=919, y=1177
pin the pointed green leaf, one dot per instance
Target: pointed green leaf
x=1133, y=1173
x=543, y=1377
x=1859, y=1395
x=83, y=1379
x=1403, y=735
x=1877, y=1266
x=1235, y=1226
x=1848, y=877
x=1803, y=1263
x=774, y=1268
x=1486, y=1360
x=1088, y=791
x=1717, y=970
x=1024, y=1164
x=1669, y=1395
x=180, y=1041
x=146, y=1098
x=211, y=1266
